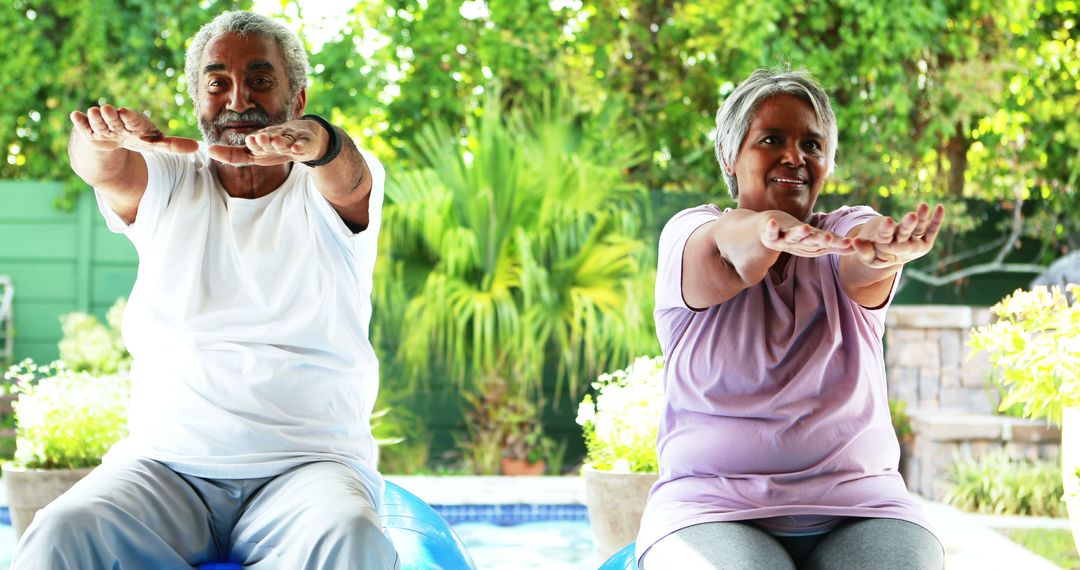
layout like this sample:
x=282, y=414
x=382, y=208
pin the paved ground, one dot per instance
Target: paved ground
x=970, y=544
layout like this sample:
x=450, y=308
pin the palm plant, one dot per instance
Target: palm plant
x=524, y=237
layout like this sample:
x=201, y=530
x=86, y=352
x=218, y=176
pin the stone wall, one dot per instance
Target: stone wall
x=927, y=359
x=949, y=396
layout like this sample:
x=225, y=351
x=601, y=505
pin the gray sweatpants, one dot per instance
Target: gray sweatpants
x=866, y=544
x=142, y=515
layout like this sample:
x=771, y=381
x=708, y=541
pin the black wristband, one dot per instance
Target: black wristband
x=333, y=147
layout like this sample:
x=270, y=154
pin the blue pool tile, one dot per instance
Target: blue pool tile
x=509, y=515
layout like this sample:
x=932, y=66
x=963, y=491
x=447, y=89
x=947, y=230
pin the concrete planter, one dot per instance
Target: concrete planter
x=29, y=490
x=1070, y=461
x=615, y=502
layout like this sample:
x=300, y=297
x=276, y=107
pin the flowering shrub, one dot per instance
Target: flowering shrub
x=90, y=346
x=66, y=419
x=1035, y=346
x=622, y=422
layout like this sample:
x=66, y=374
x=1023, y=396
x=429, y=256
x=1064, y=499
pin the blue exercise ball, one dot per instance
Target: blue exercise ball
x=423, y=539
x=622, y=560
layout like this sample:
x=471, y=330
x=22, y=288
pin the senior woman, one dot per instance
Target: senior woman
x=776, y=448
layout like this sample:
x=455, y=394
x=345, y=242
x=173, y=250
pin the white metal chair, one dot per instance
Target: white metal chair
x=7, y=319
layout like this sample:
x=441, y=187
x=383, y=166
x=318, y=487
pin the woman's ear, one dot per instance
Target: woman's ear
x=730, y=170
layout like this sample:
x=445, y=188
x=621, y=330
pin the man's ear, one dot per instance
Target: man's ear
x=300, y=102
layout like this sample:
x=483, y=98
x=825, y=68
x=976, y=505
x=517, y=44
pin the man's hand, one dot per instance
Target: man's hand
x=882, y=242
x=783, y=232
x=108, y=128
x=299, y=140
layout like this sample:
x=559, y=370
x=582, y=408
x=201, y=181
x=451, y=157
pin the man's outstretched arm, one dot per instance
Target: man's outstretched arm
x=344, y=180
x=104, y=151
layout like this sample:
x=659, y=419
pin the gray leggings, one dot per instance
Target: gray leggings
x=866, y=544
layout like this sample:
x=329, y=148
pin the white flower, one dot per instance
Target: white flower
x=621, y=423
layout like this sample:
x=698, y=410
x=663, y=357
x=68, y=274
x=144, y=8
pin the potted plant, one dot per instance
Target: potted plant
x=901, y=422
x=1034, y=345
x=65, y=422
x=504, y=430
x=68, y=413
x=620, y=425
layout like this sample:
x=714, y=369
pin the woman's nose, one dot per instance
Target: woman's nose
x=793, y=155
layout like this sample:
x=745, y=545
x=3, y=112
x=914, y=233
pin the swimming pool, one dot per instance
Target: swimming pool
x=524, y=536
x=511, y=537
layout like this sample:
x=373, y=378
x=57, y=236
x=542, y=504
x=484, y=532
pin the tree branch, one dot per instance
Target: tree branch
x=957, y=257
x=997, y=265
x=1014, y=233
x=992, y=267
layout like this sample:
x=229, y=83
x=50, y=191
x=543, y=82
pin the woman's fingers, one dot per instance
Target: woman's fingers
x=772, y=230
x=934, y=222
x=803, y=240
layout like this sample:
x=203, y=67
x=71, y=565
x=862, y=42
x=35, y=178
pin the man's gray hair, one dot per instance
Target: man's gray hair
x=738, y=110
x=243, y=23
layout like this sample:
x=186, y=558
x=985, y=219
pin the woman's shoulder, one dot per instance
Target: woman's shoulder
x=843, y=218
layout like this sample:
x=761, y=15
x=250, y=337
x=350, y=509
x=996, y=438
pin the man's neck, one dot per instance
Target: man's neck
x=252, y=181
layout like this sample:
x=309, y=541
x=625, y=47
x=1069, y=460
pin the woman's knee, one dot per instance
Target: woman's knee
x=878, y=543
x=727, y=545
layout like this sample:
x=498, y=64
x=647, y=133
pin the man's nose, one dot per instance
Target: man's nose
x=240, y=98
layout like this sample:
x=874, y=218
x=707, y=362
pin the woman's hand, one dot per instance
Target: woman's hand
x=784, y=232
x=882, y=242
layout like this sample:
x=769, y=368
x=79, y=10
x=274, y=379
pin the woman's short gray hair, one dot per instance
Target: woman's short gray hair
x=738, y=110
x=292, y=51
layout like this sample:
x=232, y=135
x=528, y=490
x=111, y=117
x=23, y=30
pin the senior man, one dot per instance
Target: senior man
x=253, y=375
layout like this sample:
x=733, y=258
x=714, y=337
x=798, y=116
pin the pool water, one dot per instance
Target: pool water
x=548, y=545
x=7, y=545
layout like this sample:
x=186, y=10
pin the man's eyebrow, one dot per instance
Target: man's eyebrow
x=256, y=65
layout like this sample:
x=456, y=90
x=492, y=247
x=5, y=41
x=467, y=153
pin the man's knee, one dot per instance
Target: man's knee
x=59, y=534
x=360, y=532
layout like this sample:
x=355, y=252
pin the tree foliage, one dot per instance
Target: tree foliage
x=521, y=246
x=72, y=54
x=973, y=102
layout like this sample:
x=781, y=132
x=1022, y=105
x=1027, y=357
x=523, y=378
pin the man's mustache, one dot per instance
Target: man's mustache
x=257, y=116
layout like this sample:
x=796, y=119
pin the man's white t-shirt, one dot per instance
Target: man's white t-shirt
x=248, y=324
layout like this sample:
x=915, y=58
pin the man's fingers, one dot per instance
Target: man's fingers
x=175, y=145
x=112, y=118
x=96, y=122
x=81, y=123
x=242, y=155
x=136, y=123
x=232, y=154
